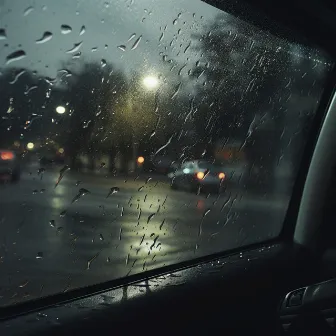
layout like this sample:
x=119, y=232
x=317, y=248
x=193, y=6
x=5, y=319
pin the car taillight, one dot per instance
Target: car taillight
x=200, y=175
x=221, y=176
x=7, y=156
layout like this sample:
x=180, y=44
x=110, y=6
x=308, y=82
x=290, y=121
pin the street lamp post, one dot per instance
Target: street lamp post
x=150, y=83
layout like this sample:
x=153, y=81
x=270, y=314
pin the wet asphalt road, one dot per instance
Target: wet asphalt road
x=52, y=241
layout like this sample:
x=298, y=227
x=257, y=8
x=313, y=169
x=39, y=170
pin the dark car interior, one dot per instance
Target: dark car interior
x=284, y=286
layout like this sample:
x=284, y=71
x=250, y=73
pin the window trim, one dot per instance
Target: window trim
x=310, y=215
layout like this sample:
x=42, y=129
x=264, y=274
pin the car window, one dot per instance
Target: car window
x=99, y=98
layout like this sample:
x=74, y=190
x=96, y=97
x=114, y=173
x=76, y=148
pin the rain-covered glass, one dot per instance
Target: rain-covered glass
x=102, y=103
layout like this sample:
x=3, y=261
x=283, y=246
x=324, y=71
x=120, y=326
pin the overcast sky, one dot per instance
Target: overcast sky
x=108, y=23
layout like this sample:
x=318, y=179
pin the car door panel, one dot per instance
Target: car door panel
x=219, y=293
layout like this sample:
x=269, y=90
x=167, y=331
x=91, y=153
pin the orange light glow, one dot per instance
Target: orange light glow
x=141, y=159
x=221, y=176
x=200, y=175
x=7, y=156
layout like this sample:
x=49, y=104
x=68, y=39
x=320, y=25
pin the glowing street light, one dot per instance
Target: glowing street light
x=30, y=146
x=60, y=109
x=150, y=82
x=141, y=160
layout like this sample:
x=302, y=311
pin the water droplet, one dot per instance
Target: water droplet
x=162, y=224
x=78, y=183
x=34, y=87
x=63, y=213
x=161, y=37
x=28, y=10
x=112, y=191
x=141, y=188
x=74, y=48
x=82, y=192
x=77, y=55
x=164, y=146
x=94, y=49
x=187, y=47
x=91, y=260
x=101, y=237
x=82, y=31
x=108, y=259
x=131, y=37
x=150, y=217
x=24, y=284
x=61, y=174
x=65, y=29
x=176, y=90
x=47, y=36
x=3, y=35
x=59, y=229
x=42, y=191
x=206, y=212
x=35, y=191
x=52, y=223
x=18, y=75
x=39, y=255
x=15, y=56
x=136, y=43
x=103, y=63
x=122, y=47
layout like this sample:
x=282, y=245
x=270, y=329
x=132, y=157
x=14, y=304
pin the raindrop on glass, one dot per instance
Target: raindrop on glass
x=112, y=191
x=82, y=192
x=131, y=37
x=52, y=223
x=28, y=10
x=150, y=217
x=122, y=47
x=82, y=31
x=103, y=63
x=3, y=35
x=39, y=255
x=65, y=29
x=74, y=48
x=15, y=56
x=47, y=36
x=136, y=43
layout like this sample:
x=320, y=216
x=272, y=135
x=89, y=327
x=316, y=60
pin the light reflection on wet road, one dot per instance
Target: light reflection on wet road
x=49, y=244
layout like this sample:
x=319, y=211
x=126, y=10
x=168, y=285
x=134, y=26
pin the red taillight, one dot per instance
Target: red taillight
x=200, y=175
x=7, y=156
x=221, y=176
